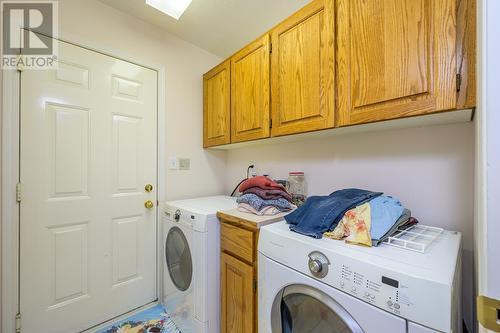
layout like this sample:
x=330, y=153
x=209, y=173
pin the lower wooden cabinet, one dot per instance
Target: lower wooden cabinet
x=238, y=239
x=238, y=296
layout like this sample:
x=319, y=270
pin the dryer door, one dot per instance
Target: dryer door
x=178, y=258
x=302, y=308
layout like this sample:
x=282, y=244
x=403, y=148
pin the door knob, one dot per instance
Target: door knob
x=148, y=187
x=148, y=204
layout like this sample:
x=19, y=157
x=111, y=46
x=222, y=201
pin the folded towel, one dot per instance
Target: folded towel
x=258, y=203
x=261, y=181
x=266, y=211
x=320, y=214
x=269, y=194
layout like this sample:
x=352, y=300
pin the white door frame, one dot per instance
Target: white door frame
x=10, y=177
x=487, y=229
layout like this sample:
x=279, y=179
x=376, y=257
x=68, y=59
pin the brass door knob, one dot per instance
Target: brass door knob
x=149, y=204
x=148, y=187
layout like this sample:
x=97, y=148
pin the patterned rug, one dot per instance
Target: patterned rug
x=153, y=320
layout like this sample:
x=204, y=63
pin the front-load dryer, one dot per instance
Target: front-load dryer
x=323, y=285
x=191, y=265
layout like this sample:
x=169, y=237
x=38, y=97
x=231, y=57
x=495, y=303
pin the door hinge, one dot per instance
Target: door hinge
x=18, y=322
x=271, y=48
x=254, y=285
x=459, y=81
x=18, y=192
x=271, y=123
x=19, y=63
x=488, y=313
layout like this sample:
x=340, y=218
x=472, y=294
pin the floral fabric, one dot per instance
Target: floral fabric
x=354, y=226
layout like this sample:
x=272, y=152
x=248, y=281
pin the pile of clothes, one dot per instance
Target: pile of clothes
x=358, y=216
x=263, y=196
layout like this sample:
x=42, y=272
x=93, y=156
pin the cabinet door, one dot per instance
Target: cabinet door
x=216, y=106
x=395, y=58
x=238, y=302
x=250, y=92
x=302, y=78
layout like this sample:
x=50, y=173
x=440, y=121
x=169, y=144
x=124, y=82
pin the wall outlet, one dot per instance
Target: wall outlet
x=253, y=171
x=173, y=164
x=184, y=163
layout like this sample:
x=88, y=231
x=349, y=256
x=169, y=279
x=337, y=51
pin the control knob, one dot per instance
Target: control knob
x=318, y=264
x=177, y=215
x=315, y=266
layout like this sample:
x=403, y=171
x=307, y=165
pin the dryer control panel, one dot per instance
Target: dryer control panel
x=389, y=293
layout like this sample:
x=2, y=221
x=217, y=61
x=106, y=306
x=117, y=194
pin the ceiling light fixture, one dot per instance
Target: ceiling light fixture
x=174, y=8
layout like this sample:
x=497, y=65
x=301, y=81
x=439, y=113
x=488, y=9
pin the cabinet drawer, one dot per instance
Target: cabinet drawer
x=237, y=241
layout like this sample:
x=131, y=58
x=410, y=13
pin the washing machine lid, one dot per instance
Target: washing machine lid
x=198, y=213
x=205, y=205
x=438, y=263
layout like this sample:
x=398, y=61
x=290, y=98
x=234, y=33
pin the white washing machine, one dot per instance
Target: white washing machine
x=191, y=265
x=321, y=285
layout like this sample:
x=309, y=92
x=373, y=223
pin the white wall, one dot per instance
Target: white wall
x=431, y=170
x=94, y=24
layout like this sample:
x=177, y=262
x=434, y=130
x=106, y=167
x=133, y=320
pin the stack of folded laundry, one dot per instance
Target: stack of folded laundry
x=263, y=196
x=358, y=216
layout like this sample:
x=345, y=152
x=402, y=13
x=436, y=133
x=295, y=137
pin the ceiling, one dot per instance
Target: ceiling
x=221, y=27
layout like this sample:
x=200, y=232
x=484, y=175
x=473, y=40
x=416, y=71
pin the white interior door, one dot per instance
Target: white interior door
x=88, y=148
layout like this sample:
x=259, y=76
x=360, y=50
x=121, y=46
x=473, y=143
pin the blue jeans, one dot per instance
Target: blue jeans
x=320, y=214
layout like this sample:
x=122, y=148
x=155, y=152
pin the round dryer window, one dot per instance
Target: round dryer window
x=178, y=257
x=300, y=308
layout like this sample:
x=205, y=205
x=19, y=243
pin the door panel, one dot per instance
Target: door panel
x=68, y=264
x=125, y=249
x=303, y=70
x=250, y=70
x=395, y=58
x=88, y=147
x=68, y=130
x=237, y=311
x=216, y=106
x=126, y=145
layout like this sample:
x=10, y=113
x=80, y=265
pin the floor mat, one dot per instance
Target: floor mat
x=153, y=320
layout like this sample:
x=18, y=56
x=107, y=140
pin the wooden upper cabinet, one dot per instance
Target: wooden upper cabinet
x=250, y=92
x=466, y=53
x=395, y=58
x=216, y=105
x=302, y=65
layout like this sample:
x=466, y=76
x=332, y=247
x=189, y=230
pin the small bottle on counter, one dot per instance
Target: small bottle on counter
x=297, y=186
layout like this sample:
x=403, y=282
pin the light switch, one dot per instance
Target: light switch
x=172, y=163
x=184, y=163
